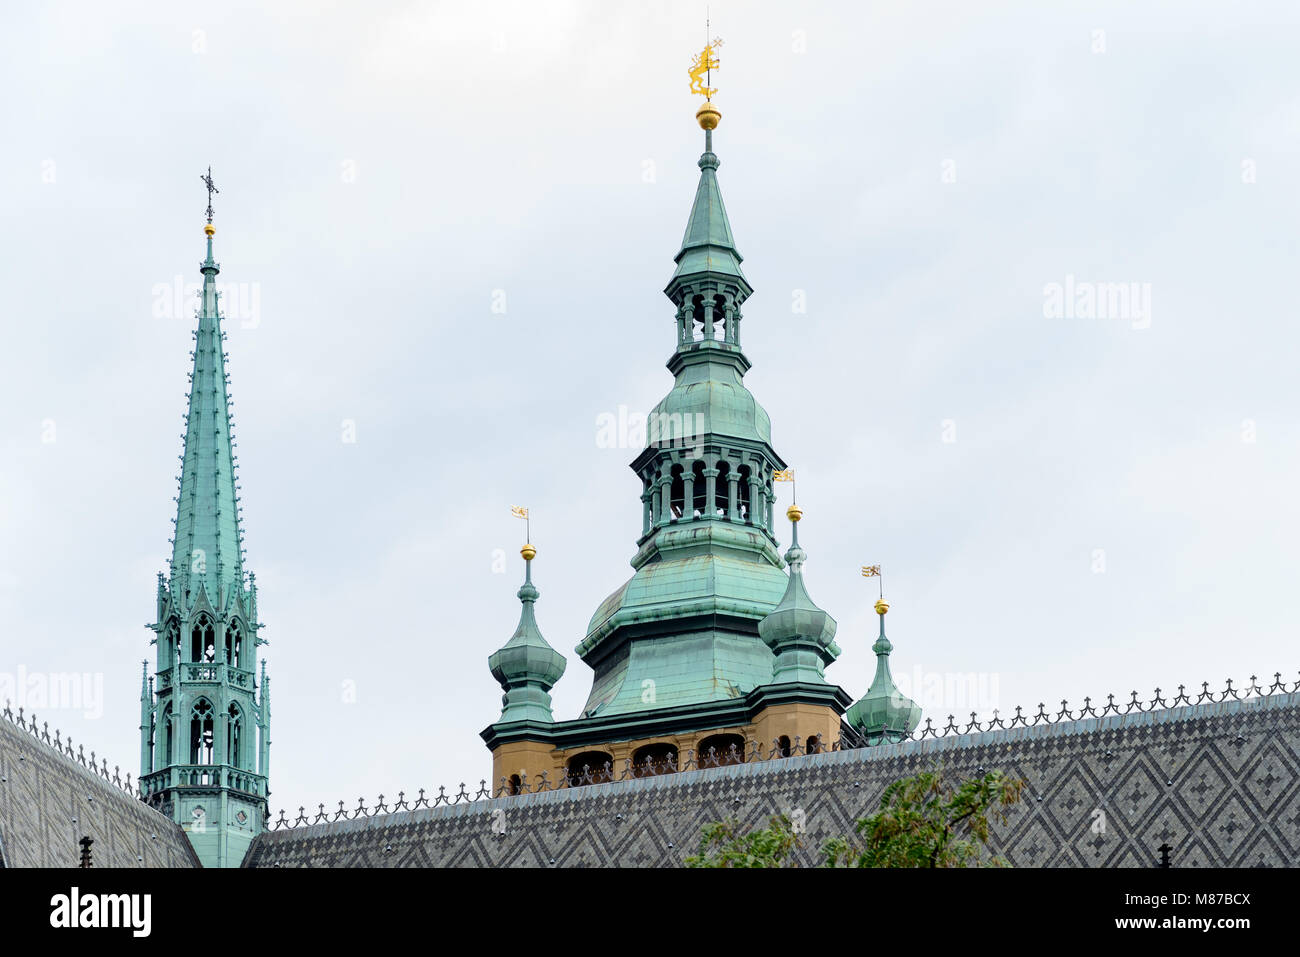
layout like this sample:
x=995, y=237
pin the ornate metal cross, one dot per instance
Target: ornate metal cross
x=211, y=189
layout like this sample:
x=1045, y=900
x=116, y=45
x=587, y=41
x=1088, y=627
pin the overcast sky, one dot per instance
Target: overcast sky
x=451, y=227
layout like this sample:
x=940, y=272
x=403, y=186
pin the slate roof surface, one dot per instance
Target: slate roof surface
x=49, y=801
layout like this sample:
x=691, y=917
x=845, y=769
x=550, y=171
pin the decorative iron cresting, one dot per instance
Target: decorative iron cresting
x=41, y=732
x=753, y=751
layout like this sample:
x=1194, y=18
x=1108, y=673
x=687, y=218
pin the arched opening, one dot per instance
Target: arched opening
x=234, y=644
x=166, y=758
x=720, y=330
x=722, y=489
x=203, y=643
x=742, y=494
x=677, y=493
x=590, y=767
x=783, y=746
x=720, y=750
x=654, y=759
x=814, y=745
x=697, y=319
x=201, y=733
x=699, y=491
x=169, y=645
x=648, y=497
x=234, y=737
x=515, y=786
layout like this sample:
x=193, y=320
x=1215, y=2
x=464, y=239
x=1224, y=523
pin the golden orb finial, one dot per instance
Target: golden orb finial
x=794, y=513
x=209, y=228
x=708, y=116
x=882, y=606
x=528, y=552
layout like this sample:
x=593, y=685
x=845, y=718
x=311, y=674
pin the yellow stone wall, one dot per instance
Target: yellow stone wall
x=529, y=759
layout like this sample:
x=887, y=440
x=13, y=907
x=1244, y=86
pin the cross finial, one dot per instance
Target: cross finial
x=207, y=180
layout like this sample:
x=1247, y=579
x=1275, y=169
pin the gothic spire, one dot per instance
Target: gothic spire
x=207, y=545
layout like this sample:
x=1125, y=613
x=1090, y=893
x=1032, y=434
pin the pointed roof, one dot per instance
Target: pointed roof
x=708, y=245
x=207, y=545
x=796, y=624
x=884, y=712
x=527, y=666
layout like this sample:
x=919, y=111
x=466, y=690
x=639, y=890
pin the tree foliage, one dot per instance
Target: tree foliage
x=723, y=844
x=923, y=821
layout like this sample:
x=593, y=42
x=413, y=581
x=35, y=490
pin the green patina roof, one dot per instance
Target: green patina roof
x=708, y=245
x=207, y=547
x=884, y=706
x=689, y=661
x=709, y=396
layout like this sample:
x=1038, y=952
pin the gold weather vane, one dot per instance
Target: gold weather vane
x=701, y=70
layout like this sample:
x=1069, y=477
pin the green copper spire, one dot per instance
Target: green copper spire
x=207, y=548
x=884, y=713
x=526, y=665
x=204, y=726
x=800, y=634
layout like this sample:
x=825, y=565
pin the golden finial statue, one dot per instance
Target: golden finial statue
x=701, y=73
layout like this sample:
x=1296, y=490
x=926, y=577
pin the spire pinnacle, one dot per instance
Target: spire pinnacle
x=800, y=634
x=884, y=714
x=526, y=666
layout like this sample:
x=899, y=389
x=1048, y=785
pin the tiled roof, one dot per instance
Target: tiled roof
x=49, y=801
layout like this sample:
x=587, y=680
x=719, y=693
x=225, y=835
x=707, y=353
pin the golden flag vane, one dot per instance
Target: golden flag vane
x=787, y=475
x=873, y=571
x=520, y=511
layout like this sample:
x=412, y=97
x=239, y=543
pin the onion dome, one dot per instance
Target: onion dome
x=526, y=666
x=800, y=634
x=884, y=714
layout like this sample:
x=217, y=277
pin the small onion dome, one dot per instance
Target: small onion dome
x=526, y=666
x=801, y=635
x=884, y=713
